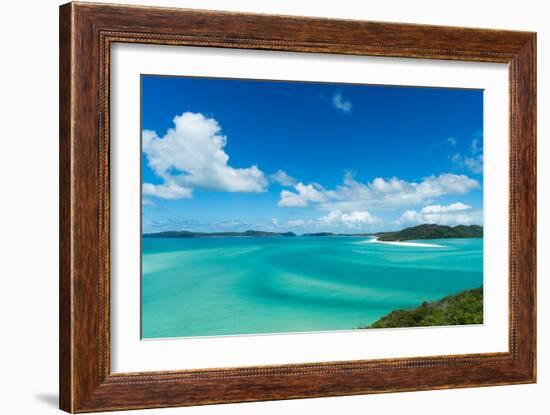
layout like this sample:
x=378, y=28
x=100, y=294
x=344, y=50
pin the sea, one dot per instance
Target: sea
x=219, y=286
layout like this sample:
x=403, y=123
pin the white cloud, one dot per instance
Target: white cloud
x=353, y=195
x=283, y=178
x=455, y=219
x=475, y=146
x=356, y=219
x=303, y=196
x=452, y=141
x=168, y=190
x=296, y=223
x=332, y=218
x=341, y=104
x=192, y=155
x=147, y=202
x=453, y=214
x=410, y=216
x=446, y=183
x=454, y=207
x=392, y=185
x=234, y=224
x=472, y=162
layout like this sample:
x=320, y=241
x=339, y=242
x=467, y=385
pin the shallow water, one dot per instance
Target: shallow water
x=223, y=286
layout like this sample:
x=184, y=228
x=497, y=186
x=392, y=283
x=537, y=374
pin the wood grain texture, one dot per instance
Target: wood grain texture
x=65, y=246
x=86, y=33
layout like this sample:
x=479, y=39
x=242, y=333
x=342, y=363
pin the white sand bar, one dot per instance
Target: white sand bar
x=417, y=244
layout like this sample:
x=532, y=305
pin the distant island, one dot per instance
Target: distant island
x=431, y=231
x=465, y=307
x=336, y=234
x=189, y=234
x=426, y=231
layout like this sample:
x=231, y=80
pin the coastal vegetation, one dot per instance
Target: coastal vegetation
x=463, y=308
x=432, y=231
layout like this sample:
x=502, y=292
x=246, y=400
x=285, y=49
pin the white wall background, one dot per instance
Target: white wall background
x=28, y=208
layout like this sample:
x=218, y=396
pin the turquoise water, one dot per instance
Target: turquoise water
x=224, y=286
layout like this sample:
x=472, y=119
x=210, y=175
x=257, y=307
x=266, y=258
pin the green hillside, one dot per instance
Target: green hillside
x=432, y=231
x=465, y=307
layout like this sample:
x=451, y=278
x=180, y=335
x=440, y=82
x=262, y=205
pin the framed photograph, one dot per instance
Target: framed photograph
x=258, y=207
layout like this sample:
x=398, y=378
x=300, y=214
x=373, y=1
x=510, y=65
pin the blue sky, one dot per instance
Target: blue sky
x=232, y=155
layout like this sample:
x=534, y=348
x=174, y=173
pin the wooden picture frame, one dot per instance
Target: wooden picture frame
x=86, y=33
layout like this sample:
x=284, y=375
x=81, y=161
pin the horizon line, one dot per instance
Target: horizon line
x=301, y=234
